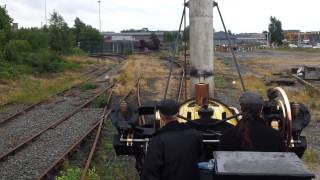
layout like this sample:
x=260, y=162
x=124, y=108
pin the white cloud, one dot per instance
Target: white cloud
x=240, y=16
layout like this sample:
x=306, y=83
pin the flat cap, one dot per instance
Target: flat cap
x=251, y=99
x=168, y=107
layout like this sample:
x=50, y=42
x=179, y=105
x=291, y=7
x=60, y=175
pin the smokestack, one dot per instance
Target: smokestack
x=201, y=44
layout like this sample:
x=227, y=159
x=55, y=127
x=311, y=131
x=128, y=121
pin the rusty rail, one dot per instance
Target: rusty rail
x=52, y=125
x=88, y=161
x=142, y=119
x=307, y=83
x=95, y=125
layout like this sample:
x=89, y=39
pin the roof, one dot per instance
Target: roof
x=133, y=33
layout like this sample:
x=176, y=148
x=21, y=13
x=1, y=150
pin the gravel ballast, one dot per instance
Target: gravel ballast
x=35, y=158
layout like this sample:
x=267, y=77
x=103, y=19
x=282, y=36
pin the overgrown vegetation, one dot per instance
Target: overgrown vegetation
x=88, y=86
x=108, y=165
x=311, y=156
x=40, y=51
x=31, y=58
x=100, y=102
x=74, y=173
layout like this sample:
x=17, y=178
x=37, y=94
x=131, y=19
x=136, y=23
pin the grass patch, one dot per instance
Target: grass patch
x=74, y=173
x=28, y=90
x=308, y=50
x=311, y=156
x=108, y=165
x=100, y=102
x=88, y=86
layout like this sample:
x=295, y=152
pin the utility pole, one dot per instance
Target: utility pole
x=99, y=1
x=45, y=12
x=201, y=44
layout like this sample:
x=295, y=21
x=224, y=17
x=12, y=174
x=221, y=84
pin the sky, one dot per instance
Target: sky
x=116, y=15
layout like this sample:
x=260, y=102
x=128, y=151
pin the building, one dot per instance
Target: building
x=251, y=39
x=220, y=39
x=243, y=39
x=297, y=37
x=15, y=26
x=132, y=36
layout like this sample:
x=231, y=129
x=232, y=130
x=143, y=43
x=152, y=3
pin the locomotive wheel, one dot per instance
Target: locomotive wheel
x=284, y=104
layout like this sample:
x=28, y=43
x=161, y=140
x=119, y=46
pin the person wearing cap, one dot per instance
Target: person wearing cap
x=252, y=133
x=174, y=150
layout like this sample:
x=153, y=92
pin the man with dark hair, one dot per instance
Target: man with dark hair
x=252, y=133
x=175, y=149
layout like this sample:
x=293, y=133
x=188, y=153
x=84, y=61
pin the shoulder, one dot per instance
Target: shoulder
x=231, y=131
x=230, y=134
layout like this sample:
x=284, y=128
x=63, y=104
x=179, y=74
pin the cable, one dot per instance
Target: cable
x=232, y=51
x=174, y=53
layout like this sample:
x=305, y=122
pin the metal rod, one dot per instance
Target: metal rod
x=174, y=53
x=232, y=51
x=147, y=140
x=185, y=53
x=99, y=15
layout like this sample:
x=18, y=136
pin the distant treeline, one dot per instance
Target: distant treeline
x=40, y=50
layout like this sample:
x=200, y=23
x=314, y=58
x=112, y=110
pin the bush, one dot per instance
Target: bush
x=77, y=51
x=88, y=85
x=127, y=52
x=100, y=102
x=12, y=71
x=44, y=62
x=16, y=50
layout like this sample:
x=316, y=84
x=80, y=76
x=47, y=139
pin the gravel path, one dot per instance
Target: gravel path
x=37, y=157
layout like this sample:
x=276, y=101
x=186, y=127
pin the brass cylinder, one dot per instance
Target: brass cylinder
x=202, y=93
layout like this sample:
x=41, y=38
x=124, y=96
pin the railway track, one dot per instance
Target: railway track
x=307, y=84
x=30, y=125
x=182, y=78
x=98, y=127
x=94, y=73
x=35, y=155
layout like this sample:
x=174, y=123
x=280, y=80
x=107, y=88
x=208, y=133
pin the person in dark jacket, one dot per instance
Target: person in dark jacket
x=252, y=133
x=175, y=149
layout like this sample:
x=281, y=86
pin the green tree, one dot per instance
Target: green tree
x=5, y=27
x=79, y=26
x=275, y=29
x=37, y=38
x=60, y=36
x=85, y=33
x=5, y=19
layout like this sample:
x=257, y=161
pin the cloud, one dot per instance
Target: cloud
x=116, y=15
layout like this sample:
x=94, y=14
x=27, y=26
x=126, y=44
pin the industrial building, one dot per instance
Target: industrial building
x=299, y=38
x=132, y=36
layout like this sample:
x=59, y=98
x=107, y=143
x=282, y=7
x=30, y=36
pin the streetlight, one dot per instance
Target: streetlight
x=99, y=1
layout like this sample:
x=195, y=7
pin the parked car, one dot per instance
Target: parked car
x=306, y=46
x=317, y=46
x=293, y=46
